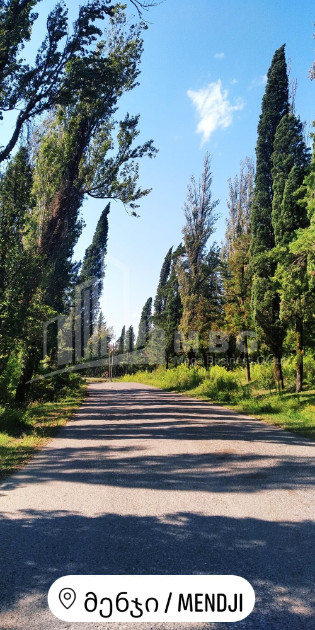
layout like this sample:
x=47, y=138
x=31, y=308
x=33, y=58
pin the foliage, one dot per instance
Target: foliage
x=22, y=431
x=93, y=261
x=79, y=149
x=120, y=345
x=130, y=340
x=161, y=293
x=295, y=412
x=35, y=90
x=289, y=162
x=237, y=275
x=54, y=388
x=145, y=325
x=275, y=104
x=198, y=268
x=265, y=299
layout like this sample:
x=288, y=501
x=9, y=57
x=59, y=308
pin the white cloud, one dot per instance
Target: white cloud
x=234, y=81
x=214, y=108
x=219, y=55
x=257, y=81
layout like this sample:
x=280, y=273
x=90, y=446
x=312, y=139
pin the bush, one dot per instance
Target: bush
x=309, y=370
x=12, y=422
x=52, y=388
x=263, y=376
x=289, y=370
x=220, y=385
x=10, y=378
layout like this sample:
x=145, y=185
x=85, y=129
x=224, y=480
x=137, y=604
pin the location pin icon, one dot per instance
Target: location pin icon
x=67, y=597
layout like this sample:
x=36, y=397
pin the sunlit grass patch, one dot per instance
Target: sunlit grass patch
x=288, y=410
x=22, y=431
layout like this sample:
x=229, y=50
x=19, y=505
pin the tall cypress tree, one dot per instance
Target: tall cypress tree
x=93, y=261
x=16, y=266
x=170, y=315
x=197, y=264
x=160, y=299
x=275, y=104
x=290, y=159
x=235, y=255
x=290, y=217
x=265, y=299
x=121, y=341
x=130, y=340
x=145, y=325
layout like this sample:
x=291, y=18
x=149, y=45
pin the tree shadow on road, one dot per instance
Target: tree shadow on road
x=274, y=557
x=208, y=421
x=221, y=471
x=108, y=437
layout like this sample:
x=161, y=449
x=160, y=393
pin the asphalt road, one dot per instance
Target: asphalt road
x=145, y=482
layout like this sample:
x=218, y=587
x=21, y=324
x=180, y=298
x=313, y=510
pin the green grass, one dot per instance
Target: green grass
x=288, y=410
x=22, y=432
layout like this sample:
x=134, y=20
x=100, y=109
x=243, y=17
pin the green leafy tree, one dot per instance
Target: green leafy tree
x=130, y=340
x=296, y=267
x=145, y=325
x=265, y=299
x=197, y=270
x=160, y=298
x=121, y=341
x=92, y=272
x=168, y=306
x=93, y=265
x=290, y=159
x=236, y=258
x=15, y=264
x=75, y=154
x=173, y=308
x=34, y=90
x=275, y=105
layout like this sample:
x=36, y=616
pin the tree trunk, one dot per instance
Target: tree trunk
x=299, y=354
x=277, y=370
x=29, y=369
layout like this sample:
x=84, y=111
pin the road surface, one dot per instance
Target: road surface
x=142, y=481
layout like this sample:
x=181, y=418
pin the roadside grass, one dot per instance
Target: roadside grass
x=288, y=410
x=23, y=431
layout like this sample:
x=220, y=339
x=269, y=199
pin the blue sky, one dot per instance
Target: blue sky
x=202, y=79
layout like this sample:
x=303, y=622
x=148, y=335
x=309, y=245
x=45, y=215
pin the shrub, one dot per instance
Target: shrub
x=263, y=376
x=10, y=378
x=53, y=388
x=219, y=385
x=309, y=370
x=12, y=422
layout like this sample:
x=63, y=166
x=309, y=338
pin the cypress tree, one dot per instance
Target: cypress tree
x=265, y=299
x=275, y=104
x=290, y=159
x=16, y=266
x=121, y=341
x=196, y=267
x=93, y=261
x=145, y=325
x=160, y=299
x=292, y=217
x=173, y=307
x=130, y=340
x=235, y=256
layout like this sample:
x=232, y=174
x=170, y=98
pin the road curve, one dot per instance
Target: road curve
x=142, y=481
